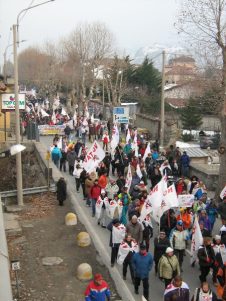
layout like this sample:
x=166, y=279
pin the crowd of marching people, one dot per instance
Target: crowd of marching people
x=120, y=191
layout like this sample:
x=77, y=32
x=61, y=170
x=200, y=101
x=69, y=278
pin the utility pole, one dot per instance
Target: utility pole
x=162, y=123
x=17, y=113
x=103, y=95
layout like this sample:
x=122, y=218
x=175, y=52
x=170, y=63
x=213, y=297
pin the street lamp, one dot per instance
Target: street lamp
x=17, y=111
x=5, y=283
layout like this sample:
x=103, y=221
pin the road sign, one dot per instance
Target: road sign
x=121, y=115
x=15, y=265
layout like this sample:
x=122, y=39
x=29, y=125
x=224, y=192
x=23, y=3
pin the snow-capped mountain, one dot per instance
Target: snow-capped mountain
x=154, y=52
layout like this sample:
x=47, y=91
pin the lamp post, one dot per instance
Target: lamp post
x=17, y=111
x=5, y=58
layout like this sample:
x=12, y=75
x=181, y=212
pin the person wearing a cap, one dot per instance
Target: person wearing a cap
x=161, y=243
x=178, y=239
x=118, y=232
x=207, y=259
x=178, y=290
x=168, y=266
x=142, y=263
x=97, y=290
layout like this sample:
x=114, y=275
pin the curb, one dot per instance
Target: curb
x=120, y=284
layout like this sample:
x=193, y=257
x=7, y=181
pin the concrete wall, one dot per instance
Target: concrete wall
x=150, y=123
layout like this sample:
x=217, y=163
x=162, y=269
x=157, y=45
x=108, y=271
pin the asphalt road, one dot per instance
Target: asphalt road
x=190, y=275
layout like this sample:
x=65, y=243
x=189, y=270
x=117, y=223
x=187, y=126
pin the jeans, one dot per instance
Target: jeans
x=137, y=281
x=114, y=253
x=127, y=263
x=180, y=256
x=71, y=169
x=56, y=162
x=93, y=203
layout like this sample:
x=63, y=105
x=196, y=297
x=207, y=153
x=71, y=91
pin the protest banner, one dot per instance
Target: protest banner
x=197, y=240
x=186, y=200
x=45, y=130
x=94, y=156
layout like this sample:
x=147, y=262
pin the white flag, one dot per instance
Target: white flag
x=135, y=137
x=197, y=240
x=165, y=199
x=147, y=151
x=75, y=118
x=138, y=171
x=163, y=166
x=60, y=143
x=136, y=150
x=129, y=178
x=114, y=138
x=64, y=113
x=223, y=193
x=128, y=136
x=44, y=114
x=54, y=118
x=94, y=156
x=92, y=118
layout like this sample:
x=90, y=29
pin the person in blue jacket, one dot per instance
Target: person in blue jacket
x=142, y=263
x=56, y=155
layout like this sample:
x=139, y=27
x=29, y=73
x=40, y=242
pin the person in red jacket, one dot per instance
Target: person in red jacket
x=94, y=195
x=97, y=290
x=103, y=180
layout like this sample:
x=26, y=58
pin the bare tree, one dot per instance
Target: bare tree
x=204, y=21
x=86, y=47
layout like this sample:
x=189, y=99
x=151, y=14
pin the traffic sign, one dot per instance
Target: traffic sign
x=121, y=114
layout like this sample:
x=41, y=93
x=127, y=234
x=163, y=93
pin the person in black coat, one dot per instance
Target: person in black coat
x=61, y=191
x=207, y=259
x=222, y=209
x=161, y=243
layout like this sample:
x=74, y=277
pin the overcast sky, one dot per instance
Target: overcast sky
x=135, y=23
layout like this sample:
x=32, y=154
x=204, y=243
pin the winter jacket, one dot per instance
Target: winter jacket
x=167, y=265
x=111, y=189
x=160, y=247
x=185, y=160
x=97, y=292
x=95, y=192
x=56, y=154
x=71, y=156
x=88, y=185
x=142, y=265
x=222, y=210
x=102, y=182
x=77, y=172
x=136, y=231
x=173, y=293
x=206, y=256
x=178, y=239
x=61, y=190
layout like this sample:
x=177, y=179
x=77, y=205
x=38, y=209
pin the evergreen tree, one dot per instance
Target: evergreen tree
x=191, y=117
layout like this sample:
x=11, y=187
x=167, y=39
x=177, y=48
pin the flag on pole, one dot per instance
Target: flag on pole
x=163, y=166
x=128, y=178
x=147, y=151
x=196, y=241
x=138, y=171
x=223, y=193
x=75, y=118
x=92, y=118
x=114, y=138
x=135, y=137
x=54, y=118
x=43, y=113
x=128, y=136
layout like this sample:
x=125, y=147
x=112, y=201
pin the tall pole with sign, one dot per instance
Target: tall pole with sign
x=19, y=174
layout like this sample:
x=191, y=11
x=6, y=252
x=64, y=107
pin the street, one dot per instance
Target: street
x=190, y=275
